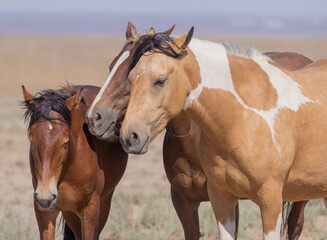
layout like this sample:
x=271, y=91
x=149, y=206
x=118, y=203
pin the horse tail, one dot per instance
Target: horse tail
x=68, y=233
x=287, y=208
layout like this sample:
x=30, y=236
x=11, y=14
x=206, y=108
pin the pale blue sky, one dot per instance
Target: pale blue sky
x=308, y=8
x=233, y=17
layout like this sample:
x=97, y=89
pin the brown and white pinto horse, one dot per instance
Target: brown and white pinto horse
x=181, y=150
x=263, y=128
x=72, y=171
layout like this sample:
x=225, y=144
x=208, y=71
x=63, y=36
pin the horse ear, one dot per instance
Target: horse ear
x=169, y=31
x=73, y=101
x=27, y=97
x=130, y=31
x=151, y=31
x=183, y=41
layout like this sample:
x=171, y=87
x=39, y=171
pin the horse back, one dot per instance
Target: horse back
x=320, y=66
x=289, y=60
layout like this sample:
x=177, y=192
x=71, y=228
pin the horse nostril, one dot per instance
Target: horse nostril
x=97, y=116
x=134, y=138
x=35, y=196
x=54, y=196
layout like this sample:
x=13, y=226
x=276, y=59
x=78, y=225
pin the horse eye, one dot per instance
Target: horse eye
x=160, y=82
x=65, y=145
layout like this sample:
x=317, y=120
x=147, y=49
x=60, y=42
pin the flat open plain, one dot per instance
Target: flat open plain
x=142, y=208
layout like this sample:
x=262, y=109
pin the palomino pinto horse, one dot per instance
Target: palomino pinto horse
x=181, y=150
x=263, y=128
x=72, y=171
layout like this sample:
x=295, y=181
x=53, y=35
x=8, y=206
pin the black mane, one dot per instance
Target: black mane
x=44, y=102
x=159, y=42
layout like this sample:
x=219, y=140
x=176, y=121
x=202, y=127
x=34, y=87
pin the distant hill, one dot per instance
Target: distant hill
x=67, y=23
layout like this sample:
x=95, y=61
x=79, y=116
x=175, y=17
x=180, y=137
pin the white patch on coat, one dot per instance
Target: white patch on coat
x=227, y=230
x=50, y=126
x=121, y=59
x=215, y=74
x=288, y=91
x=275, y=234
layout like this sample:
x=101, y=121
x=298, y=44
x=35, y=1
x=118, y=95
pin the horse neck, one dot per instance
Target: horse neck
x=206, y=67
x=76, y=138
x=182, y=139
x=180, y=125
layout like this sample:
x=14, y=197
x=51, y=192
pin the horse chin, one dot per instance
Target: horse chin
x=47, y=209
x=111, y=135
x=105, y=136
x=145, y=148
x=137, y=150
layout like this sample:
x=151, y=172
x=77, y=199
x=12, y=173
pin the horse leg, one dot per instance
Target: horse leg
x=271, y=203
x=223, y=204
x=105, y=204
x=74, y=222
x=90, y=218
x=46, y=221
x=187, y=212
x=296, y=220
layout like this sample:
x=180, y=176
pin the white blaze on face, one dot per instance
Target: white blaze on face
x=121, y=59
x=215, y=74
x=50, y=126
x=275, y=234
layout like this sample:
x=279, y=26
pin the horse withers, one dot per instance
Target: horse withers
x=72, y=171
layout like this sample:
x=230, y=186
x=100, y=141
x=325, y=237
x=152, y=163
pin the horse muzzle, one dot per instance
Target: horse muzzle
x=135, y=143
x=101, y=123
x=45, y=202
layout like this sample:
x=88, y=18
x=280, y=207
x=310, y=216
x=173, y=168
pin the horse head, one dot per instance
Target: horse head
x=49, y=116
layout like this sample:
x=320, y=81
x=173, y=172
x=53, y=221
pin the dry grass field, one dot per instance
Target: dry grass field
x=141, y=208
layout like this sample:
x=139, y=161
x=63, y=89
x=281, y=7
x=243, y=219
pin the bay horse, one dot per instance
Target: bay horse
x=181, y=150
x=263, y=127
x=72, y=171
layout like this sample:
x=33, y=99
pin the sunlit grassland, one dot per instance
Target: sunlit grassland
x=151, y=217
